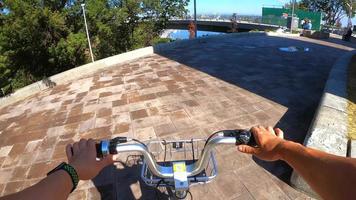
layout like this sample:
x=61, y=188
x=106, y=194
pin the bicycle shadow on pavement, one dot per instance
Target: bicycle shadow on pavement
x=122, y=181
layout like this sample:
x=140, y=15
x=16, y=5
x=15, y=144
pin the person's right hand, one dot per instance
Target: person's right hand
x=269, y=142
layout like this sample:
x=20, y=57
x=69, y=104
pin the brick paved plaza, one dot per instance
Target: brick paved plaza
x=186, y=92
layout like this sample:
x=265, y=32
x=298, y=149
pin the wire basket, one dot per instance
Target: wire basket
x=165, y=152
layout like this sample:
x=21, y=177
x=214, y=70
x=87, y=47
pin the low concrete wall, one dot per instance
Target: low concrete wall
x=328, y=131
x=74, y=74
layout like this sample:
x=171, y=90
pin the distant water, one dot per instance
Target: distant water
x=184, y=34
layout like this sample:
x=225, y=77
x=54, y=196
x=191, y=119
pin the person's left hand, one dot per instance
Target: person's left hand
x=82, y=156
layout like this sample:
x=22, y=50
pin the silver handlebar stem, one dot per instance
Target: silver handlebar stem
x=156, y=169
x=167, y=172
x=200, y=165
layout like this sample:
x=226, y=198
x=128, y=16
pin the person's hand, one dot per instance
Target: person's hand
x=82, y=156
x=269, y=142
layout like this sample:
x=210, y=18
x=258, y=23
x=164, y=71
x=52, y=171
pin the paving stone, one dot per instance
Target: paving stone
x=103, y=121
x=184, y=124
x=119, y=102
x=23, y=159
x=2, y=159
x=48, y=142
x=138, y=114
x=103, y=112
x=77, y=194
x=98, y=133
x=39, y=170
x=164, y=129
x=11, y=161
x=43, y=155
x=4, y=151
x=93, y=194
x=152, y=111
x=257, y=182
x=2, y=186
x=86, y=125
x=121, y=128
x=145, y=134
x=20, y=173
x=32, y=146
x=12, y=187
x=79, y=118
x=5, y=175
x=55, y=131
x=59, y=152
x=179, y=114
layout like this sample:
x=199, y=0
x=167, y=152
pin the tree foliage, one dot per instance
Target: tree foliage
x=39, y=38
x=350, y=9
x=334, y=10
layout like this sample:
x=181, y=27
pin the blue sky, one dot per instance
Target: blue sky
x=237, y=6
x=233, y=6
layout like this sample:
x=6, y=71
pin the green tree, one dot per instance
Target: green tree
x=333, y=9
x=39, y=38
x=297, y=5
x=350, y=9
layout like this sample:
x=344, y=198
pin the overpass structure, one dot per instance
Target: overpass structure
x=220, y=25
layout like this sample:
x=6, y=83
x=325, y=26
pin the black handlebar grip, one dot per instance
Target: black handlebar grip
x=99, y=154
x=245, y=137
x=252, y=141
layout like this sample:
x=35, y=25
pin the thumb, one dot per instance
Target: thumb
x=279, y=133
x=247, y=149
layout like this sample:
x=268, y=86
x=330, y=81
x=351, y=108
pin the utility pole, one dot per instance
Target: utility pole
x=292, y=19
x=86, y=28
x=195, y=18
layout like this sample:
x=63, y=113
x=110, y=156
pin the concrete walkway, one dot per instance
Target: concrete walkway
x=187, y=92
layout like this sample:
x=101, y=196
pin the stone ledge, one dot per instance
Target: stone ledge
x=75, y=73
x=328, y=131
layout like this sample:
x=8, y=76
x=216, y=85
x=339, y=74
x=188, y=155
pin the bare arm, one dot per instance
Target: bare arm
x=58, y=185
x=332, y=177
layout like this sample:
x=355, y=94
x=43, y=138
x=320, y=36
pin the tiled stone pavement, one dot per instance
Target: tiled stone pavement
x=234, y=83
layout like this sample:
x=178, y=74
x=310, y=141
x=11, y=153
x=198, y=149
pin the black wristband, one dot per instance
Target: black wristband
x=70, y=170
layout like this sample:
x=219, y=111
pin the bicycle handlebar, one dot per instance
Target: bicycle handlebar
x=117, y=145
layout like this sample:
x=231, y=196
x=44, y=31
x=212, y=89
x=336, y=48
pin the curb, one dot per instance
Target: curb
x=73, y=74
x=326, y=133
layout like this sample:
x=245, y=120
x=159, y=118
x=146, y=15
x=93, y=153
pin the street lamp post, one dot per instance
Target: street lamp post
x=86, y=28
x=195, y=18
x=292, y=19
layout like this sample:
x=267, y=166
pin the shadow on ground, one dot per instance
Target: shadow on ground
x=295, y=80
x=125, y=183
